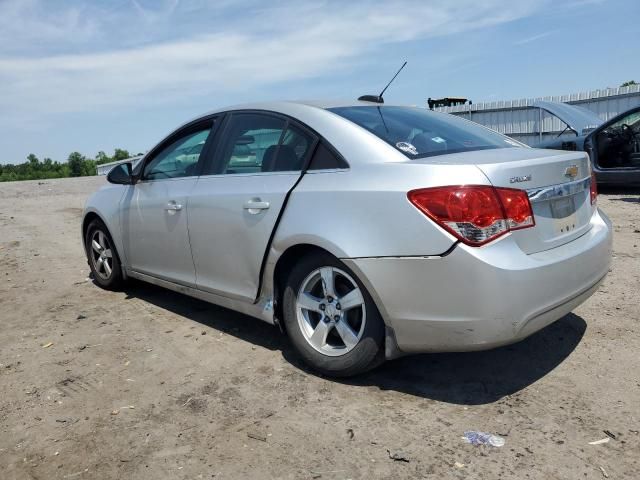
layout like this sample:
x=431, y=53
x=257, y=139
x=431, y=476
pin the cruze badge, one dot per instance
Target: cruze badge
x=523, y=178
x=571, y=171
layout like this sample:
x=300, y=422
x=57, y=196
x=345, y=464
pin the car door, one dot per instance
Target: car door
x=236, y=203
x=154, y=210
x=602, y=152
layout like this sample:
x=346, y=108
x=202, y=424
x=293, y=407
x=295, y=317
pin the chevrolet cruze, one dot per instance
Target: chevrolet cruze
x=366, y=231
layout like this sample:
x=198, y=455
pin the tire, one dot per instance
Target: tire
x=102, y=256
x=334, y=340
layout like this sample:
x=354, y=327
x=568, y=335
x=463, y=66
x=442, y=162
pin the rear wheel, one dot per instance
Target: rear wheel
x=331, y=319
x=102, y=256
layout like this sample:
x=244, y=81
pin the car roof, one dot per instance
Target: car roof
x=338, y=131
x=284, y=105
x=288, y=107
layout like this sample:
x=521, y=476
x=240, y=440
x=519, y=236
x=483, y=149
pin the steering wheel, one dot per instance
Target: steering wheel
x=628, y=131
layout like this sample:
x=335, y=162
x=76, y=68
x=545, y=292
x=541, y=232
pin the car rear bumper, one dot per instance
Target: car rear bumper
x=480, y=298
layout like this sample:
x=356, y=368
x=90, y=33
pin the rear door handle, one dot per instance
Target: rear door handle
x=173, y=206
x=255, y=205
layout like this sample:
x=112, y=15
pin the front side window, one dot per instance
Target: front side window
x=632, y=120
x=179, y=159
x=419, y=133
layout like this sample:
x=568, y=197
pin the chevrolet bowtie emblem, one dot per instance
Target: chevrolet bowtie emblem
x=571, y=172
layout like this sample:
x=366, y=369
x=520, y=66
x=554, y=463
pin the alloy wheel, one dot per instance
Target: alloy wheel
x=101, y=254
x=331, y=311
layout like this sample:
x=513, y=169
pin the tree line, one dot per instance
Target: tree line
x=77, y=165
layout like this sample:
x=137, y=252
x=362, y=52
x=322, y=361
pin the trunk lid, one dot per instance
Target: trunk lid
x=558, y=185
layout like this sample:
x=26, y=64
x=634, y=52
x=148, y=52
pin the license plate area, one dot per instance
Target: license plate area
x=563, y=212
x=563, y=207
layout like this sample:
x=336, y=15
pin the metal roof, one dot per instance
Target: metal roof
x=574, y=98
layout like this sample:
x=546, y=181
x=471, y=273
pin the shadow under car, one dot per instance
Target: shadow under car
x=470, y=378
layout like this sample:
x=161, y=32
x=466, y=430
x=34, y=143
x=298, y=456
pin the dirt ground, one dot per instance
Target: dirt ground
x=147, y=383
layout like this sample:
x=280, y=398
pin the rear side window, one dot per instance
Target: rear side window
x=324, y=158
x=292, y=152
x=419, y=133
x=260, y=143
x=250, y=143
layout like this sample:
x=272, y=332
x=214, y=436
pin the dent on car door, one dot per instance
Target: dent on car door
x=235, y=205
x=154, y=210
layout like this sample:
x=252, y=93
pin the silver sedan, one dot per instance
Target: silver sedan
x=366, y=231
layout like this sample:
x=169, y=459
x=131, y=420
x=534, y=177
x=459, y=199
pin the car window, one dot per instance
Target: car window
x=418, y=132
x=255, y=143
x=633, y=120
x=293, y=151
x=324, y=158
x=250, y=140
x=179, y=159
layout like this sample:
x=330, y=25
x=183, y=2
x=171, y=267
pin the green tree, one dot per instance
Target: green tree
x=88, y=168
x=76, y=165
x=120, y=154
x=76, y=161
x=102, y=157
x=33, y=160
x=629, y=83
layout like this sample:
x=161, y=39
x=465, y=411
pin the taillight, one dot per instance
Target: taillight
x=476, y=214
x=594, y=188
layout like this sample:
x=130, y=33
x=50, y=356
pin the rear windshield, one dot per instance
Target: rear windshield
x=419, y=133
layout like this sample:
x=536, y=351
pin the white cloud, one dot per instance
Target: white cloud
x=26, y=25
x=152, y=15
x=224, y=48
x=533, y=38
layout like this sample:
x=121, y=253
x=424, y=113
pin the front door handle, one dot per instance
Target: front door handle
x=255, y=205
x=173, y=207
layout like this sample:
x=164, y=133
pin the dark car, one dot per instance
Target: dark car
x=614, y=146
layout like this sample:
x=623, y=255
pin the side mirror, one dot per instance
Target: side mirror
x=121, y=174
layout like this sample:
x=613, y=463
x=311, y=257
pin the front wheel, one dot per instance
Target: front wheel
x=102, y=256
x=331, y=319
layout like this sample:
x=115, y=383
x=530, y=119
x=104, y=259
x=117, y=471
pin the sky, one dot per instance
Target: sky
x=82, y=75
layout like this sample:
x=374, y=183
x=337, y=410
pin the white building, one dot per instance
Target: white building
x=105, y=168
